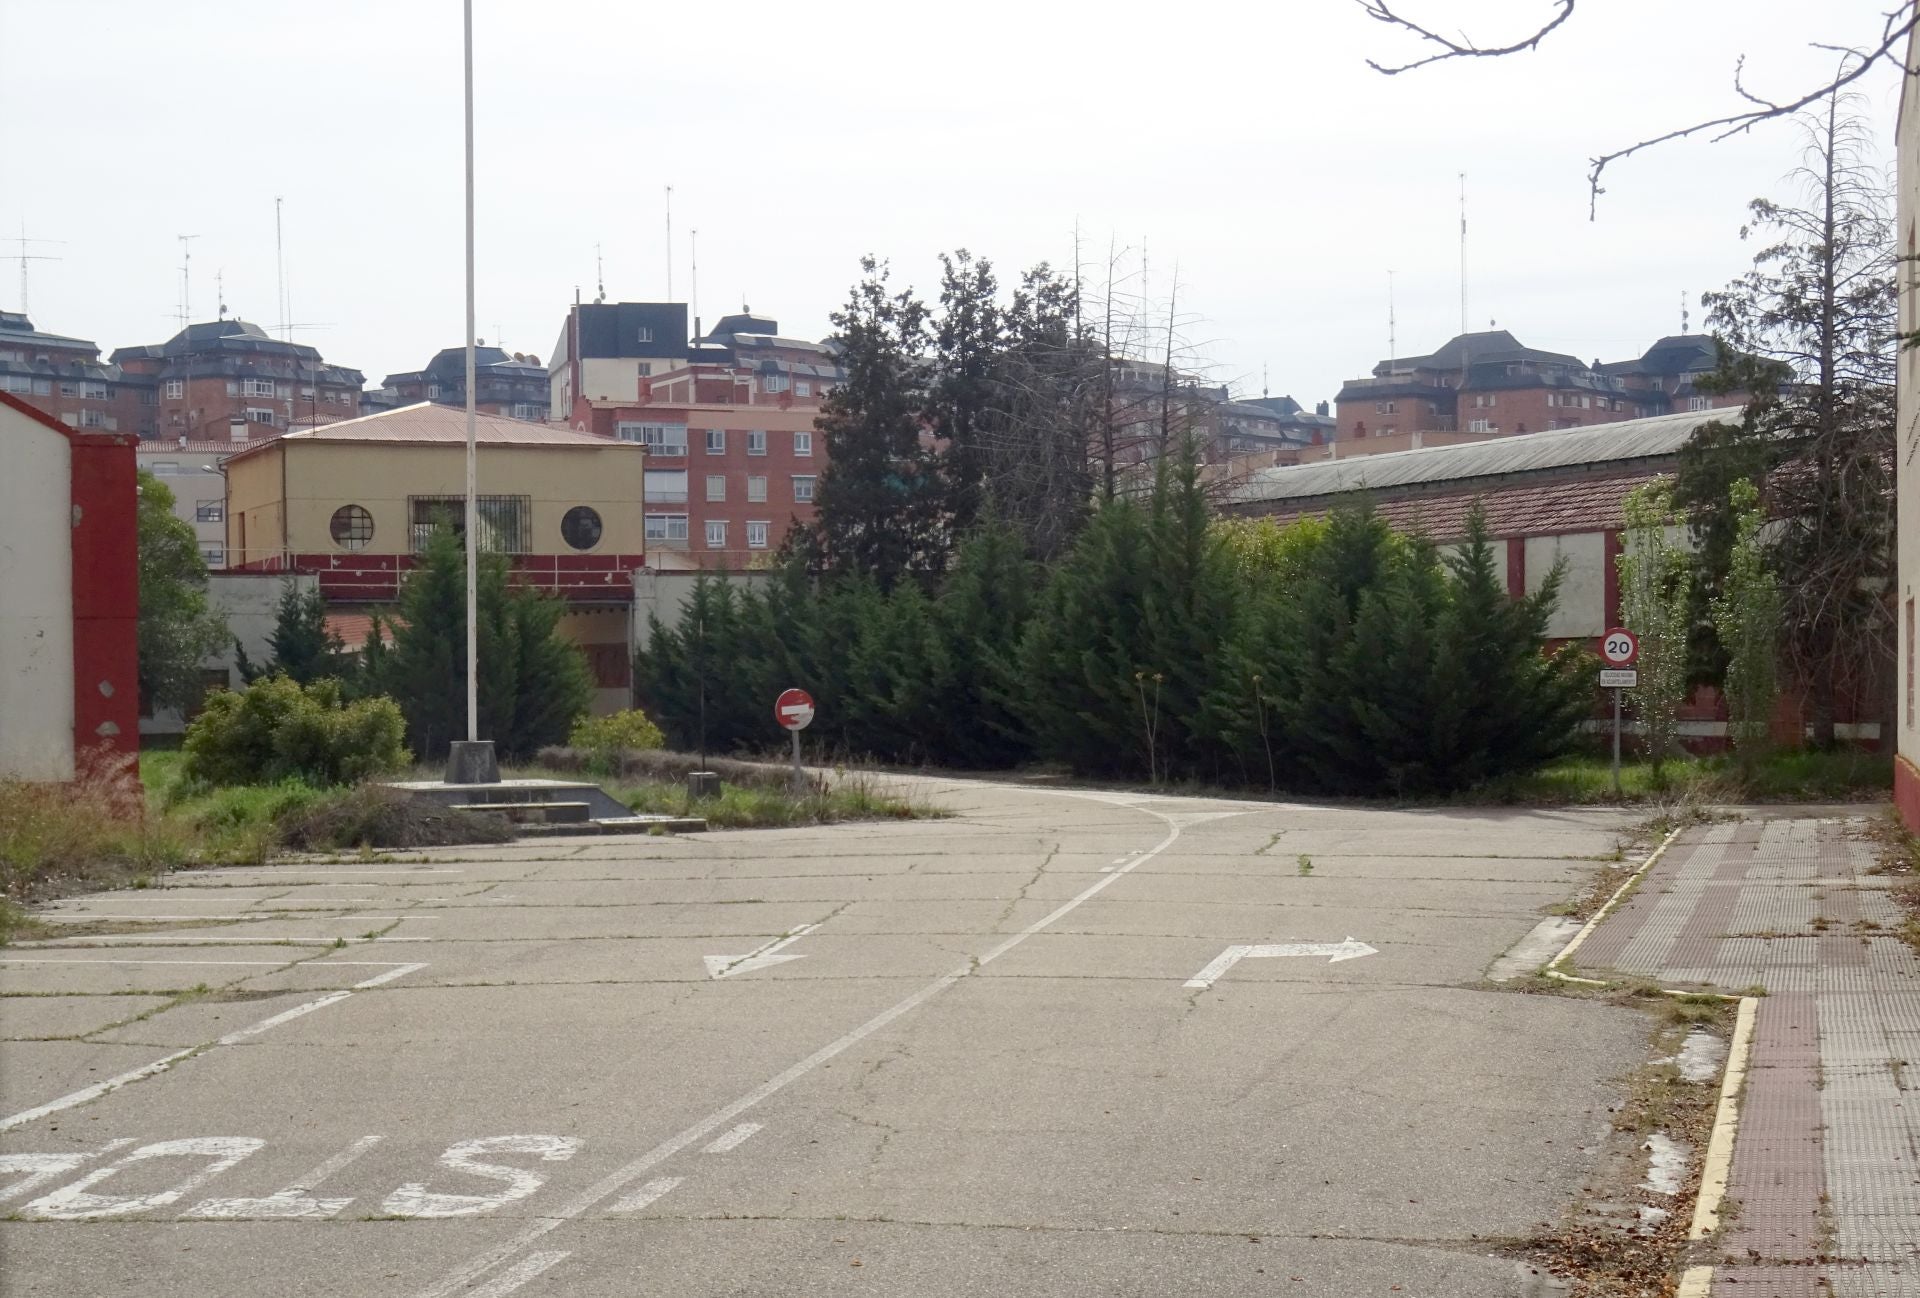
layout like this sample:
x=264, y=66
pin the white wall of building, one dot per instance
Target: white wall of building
x=1581, y=611
x=610, y=378
x=250, y=602
x=195, y=480
x=1907, y=147
x=36, y=601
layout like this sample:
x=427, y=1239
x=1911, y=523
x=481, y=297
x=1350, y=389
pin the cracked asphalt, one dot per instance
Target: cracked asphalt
x=500, y=1071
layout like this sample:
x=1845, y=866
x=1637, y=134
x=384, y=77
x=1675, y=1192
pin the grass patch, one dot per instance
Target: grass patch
x=1796, y=775
x=761, y=807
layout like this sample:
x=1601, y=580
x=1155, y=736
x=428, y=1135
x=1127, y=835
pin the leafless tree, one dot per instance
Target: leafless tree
x=1885, y=47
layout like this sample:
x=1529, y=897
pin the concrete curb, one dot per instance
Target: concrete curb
x=1551, y=970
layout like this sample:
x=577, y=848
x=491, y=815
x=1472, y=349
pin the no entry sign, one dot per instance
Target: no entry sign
x=1620, y=647
x=793, y=709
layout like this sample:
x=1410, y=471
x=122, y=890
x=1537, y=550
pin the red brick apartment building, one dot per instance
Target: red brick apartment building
x=1491, y=384
x=65, y=378
x=733, y=459
x=209, y=375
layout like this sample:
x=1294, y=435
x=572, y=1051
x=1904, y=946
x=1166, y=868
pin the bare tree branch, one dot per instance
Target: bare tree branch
x=1900, y=23
x=1381, y=11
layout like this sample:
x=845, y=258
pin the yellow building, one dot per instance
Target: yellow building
x=354, y=502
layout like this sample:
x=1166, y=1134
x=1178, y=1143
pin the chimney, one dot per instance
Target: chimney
x=1320, y=409
x=236, y=429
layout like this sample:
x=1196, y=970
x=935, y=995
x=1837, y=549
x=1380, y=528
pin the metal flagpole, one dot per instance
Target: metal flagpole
x=473, y=527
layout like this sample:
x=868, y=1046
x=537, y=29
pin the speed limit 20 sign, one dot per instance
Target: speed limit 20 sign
x=1619, y=647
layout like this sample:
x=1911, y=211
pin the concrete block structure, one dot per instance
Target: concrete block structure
x=69, y=598
x=1906, y=773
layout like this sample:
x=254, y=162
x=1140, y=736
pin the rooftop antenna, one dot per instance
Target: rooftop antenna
x=693, y=239
x=669, y=243
x=23, y=257
x=599, y=276
x=220, y=290
x=1683, y=311
x=1393, y=332
x=1463, y=252
x=280, y=271
x=1263, y=378
x=186, y=278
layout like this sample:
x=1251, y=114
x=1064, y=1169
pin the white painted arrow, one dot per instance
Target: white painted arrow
x=1233, y=955
x=724, y=966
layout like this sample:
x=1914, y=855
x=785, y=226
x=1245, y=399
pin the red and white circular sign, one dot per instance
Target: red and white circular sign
x=1620, y=647
x=793, y=709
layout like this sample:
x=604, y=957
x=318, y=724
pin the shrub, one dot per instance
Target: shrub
x=371, y=816
x=277, y=729
x=605, y=738
x=54, y=837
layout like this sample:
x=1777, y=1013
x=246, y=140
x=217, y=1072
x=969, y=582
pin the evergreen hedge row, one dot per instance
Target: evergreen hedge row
x=1331, y=656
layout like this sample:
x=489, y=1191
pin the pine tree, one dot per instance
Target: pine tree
x=178, y=628
x=1188, y=607
x=533, y=682
x=981, y=613
x=964, y=403
x=881, y=501
x=303, y=646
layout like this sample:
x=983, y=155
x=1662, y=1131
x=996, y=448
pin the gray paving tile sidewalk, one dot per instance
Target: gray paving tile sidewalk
x=1824, y=1194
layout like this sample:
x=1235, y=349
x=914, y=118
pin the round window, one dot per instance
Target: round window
x=352, y=527
x=581, y=528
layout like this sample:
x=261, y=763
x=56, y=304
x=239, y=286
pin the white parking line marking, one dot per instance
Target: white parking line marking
x=620, y=1178
x=268, y=964
x=87, y=917
x=293, y=1202
x=739, y=1136
x=507, y=1281
x=98, y=1089
x=646, y=1194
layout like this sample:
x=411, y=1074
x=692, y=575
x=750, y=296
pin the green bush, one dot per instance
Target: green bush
x=276, y=730
x=604, y=738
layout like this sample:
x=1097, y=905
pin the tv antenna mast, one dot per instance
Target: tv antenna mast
x=669, y=243
x=1463, y=252
x=185, y=315
x=24, y=255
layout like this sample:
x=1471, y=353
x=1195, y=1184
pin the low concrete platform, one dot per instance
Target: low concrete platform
x=549, y=807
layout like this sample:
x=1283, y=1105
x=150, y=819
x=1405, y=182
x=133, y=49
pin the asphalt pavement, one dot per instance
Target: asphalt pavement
x=1061, y=1043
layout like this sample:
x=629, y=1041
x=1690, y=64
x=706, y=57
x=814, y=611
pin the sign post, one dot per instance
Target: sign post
x=1619, y=649
x=793, y=710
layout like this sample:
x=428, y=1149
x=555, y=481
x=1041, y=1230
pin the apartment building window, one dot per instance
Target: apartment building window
x=1483, y=401
x=257, y=416
x=803, y=444
x=1480, y=426
x=802, y=389
x=643, y=368
x=525, y=410
x=1699, y=403
x=256, y=388
x=148, y=397
x=1385, y=408
x=666, y=527
x=756, y=536
x=756, y=489
x=757, y=442
x=716, y=533
x=643, y=335
x=306, y=394
x=802, y=490
x=214, y=556
x=176, y=389
x=210, y=511
x=20, y=383
x=716, y=486
x=92, y=419
x=666, y=486
x=233, y=387
x=433, y=391
x=773, y=383
x=716, y=441
x=163, y=468
x=659, y=439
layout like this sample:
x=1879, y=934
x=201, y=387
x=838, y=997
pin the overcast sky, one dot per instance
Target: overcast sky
x=1248, y=144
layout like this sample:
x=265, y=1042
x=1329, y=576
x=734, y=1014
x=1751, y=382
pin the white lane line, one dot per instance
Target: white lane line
x=104, y=939
x=739, y=1136
x=80, y=917
x=646, y=1194
x=620, y=1178
x=267, y=964
x=98, y=1089
x=507, y=1281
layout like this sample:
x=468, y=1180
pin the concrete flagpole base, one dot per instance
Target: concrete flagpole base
x=471, y=761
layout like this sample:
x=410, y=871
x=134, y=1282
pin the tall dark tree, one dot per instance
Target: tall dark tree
x=178, y=627
x=881, y=500
x=303, y=647
x=1811, y=334
x=963, y=403
x=533, y=683
x=1048, y=382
